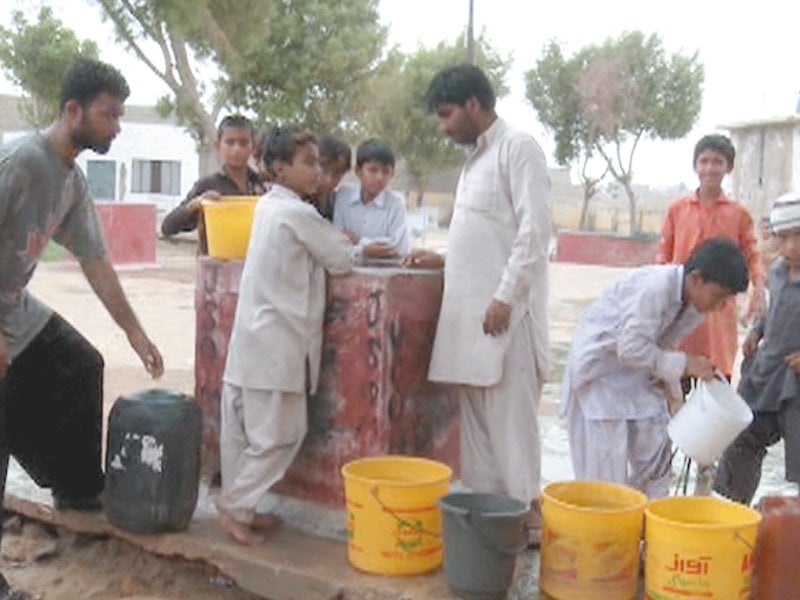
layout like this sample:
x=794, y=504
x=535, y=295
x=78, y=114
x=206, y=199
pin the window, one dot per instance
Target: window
x=156, y=177
x=101, y=177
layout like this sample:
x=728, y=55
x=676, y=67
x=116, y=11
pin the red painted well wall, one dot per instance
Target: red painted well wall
x=373, y=396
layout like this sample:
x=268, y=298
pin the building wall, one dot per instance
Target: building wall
x=767, y=163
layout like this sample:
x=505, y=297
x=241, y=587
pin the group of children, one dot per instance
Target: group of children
x=371, y=215
x=624, y=372
x=659, y=326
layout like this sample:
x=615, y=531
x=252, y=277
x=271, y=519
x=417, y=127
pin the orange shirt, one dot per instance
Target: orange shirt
x=688, y=223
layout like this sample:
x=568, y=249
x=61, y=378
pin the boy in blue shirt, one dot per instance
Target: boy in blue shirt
x=372, y=216
x=770, y=380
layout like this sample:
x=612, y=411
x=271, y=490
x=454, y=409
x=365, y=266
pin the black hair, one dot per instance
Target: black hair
x=87, y=78
x=281, y=142
x=718, y=143
x=236, y=121
x=719, y=260
x=375, y=151
x=332, y=149
x=457, y=85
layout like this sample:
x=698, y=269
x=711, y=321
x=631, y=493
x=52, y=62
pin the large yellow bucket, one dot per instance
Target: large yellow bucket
x=591, y=534
x=394, y=525
x=228, y=223
x=699, y=548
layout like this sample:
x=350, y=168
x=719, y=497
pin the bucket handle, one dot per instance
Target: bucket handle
x=739, y=537
x=465, y=517
x=373, y=490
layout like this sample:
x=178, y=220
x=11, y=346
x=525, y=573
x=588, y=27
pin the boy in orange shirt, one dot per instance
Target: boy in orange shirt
x=705, y=214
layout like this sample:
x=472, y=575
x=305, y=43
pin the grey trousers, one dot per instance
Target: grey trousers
x=739, y=470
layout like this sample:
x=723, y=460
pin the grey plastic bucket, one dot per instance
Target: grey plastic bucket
x=483, y=533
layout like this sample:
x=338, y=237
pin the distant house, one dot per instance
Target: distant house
x=153, y=160
x=767, y=161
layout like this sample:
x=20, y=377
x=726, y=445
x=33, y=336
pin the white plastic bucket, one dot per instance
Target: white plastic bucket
x=712, y=417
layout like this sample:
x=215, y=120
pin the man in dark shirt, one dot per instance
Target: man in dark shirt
x=235, y=141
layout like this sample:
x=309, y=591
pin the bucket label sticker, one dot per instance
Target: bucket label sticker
x=694, y=576
x=408, y=536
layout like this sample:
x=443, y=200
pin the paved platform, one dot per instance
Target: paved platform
x=291, y=565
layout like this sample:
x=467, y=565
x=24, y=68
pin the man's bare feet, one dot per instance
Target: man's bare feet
x=263, y=522
x=240, y=532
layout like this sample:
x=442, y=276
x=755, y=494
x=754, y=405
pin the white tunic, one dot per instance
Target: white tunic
x=278, y=324
x=623, y=350
x=497, y=248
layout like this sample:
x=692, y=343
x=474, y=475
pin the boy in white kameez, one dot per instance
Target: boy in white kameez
x=623, y=366
x=274, y=352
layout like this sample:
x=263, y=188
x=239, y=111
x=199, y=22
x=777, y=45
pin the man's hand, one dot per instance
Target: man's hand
x=700, y=367
x=379, y=250
x=793, y=360
x=148, y=353
x=497, y=318
x=5, y=359
x=750, y=344
x=423, y=259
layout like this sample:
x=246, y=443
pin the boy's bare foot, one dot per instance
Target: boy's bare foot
x=240, y=532
x=263, y=522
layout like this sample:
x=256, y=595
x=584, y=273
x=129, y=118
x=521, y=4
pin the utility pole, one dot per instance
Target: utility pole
x=470, y=35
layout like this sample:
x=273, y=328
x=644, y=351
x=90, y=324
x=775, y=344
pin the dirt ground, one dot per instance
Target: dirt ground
x=54, y=564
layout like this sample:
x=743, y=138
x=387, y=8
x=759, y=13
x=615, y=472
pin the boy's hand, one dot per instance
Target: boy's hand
x=497, y=317
x=379, y=250
x=196, y=203
x=700, y=367
x=750, y=344
x=793, y=360
x=423, y=259
x=354, y=239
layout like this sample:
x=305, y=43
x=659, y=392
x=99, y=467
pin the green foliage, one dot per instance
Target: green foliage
x=399, y=115
x=36, y=56
x=313, y=64
x=603, y=100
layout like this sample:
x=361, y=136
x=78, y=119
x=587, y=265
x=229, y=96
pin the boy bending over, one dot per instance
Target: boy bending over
x=770, y=380
x=623, y=366
x=274, y=352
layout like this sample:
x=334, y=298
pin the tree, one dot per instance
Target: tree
x=36, y=57
x=315, y=65
x=551, y=89
x=399, y=113
x=615, y=95
x=302, y=60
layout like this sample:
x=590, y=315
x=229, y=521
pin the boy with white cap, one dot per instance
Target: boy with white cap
x=771, y=370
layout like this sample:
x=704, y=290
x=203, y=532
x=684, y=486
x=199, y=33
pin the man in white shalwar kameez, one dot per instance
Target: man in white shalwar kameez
x=624, y=365
x=491, y=338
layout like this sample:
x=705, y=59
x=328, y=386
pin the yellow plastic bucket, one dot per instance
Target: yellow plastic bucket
x=591, y=534
x=228, y=223
x=699, y=548
x=394, y=525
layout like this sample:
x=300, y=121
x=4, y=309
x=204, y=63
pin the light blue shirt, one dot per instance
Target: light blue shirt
x=383, y=220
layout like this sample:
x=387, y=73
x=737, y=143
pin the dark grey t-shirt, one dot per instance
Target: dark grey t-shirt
x=40, y=199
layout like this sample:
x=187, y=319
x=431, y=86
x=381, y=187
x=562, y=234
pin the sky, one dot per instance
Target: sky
x=752, y=68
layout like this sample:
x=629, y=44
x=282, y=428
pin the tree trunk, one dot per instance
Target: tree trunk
x=634, y=225
x=587, y=195
x=420, y=197
x=207, y=160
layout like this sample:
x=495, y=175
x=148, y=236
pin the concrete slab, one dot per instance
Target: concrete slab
x=291, y=565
